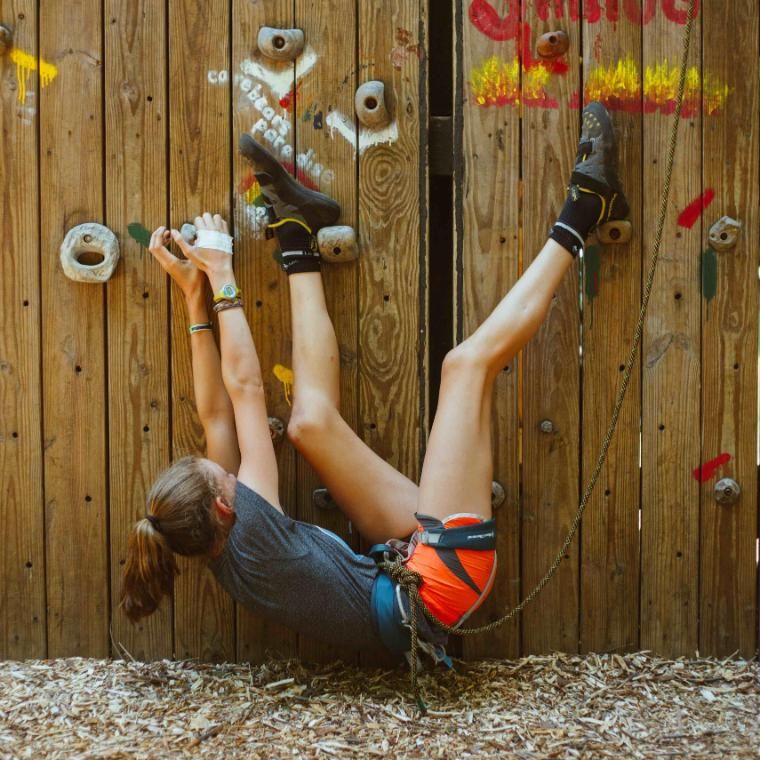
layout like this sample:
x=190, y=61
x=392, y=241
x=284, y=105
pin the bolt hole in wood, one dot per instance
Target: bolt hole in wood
x=88, y=499
x=77, y=369
x=661, y=427
x=26, y=303
x=28, y=564
x=146, y=429
x=337, y=250
x=678, y=296
x=370, y=103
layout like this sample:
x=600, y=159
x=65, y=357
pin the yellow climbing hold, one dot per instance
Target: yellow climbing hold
x=285, y=376
x=26, y=63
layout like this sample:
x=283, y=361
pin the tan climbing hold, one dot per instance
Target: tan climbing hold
x=614, y=233
x=89, y=253
x=553, y=44
x=276, y=429
x=6, y=39
x=370, y=105
x=337, y=243
x=497, y=494
x=724, y=234
x=281, y=44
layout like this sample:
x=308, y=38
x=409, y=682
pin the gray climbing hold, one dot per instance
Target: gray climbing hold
x=188, y=233
x=337, y=243
x=89, y=253
x=724, y=234
x=323, y=500
x=281, y=44
x=369, y=102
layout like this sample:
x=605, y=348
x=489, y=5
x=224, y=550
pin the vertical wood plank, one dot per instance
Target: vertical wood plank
x=22, y=565
x=199, y=38
x=330, y=28
x=729, y=332
x=138, y=329
x=611, y=297
x=671, y=372
x=392, y=231
x=257, y=109
x=551, y=385
x=73, y=329
x=487, y=192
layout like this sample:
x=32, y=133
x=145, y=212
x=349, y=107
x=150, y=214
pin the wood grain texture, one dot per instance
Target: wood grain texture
x=73, y=332
x=611, y=297
x=551, y=387
x=199, y=39
x=487, y=188
x=330, y=28
x=392, y=368
x=138, y=321
x=265, y=287
x=727, y=603
x=22, y=565
x=671, y=375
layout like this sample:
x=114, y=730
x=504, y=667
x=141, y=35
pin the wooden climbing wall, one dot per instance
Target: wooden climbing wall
x=129, y=114
x=658, y=563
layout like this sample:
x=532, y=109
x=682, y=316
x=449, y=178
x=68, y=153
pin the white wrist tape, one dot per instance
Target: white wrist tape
x=219, y=241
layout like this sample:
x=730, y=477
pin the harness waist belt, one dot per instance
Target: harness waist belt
x=476, y=536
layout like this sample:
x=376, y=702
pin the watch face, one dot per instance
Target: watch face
x=228, y=290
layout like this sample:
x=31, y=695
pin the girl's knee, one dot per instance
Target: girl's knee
x=310, y=419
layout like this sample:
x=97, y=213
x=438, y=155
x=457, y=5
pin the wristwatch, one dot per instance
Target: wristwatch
x=228, y=292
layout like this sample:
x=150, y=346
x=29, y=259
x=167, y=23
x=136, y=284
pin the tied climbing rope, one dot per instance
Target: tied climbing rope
x=411, y=581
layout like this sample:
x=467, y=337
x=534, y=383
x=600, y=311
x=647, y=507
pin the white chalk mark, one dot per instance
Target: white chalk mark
x=218, y=77
x=280, y=79
x=367, y=137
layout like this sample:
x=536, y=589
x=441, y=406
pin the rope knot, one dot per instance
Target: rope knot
x=400, y=573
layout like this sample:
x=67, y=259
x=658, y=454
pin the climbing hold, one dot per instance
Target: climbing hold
x=497, y=494
x=281, y=44
x=323, y=500
x=188, y=233
x=615, y=232
x=6, y=39
x=370, y=105
x=89, y=253
x=727, y=491
x=338, y=243
x=276, y=428
x=724, y=234
x=553, y=44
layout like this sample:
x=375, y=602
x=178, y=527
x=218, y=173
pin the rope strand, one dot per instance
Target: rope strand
x=410, y=580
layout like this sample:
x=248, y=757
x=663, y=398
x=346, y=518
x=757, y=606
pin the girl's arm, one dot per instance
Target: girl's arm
x=241, y=371
x=211, y=398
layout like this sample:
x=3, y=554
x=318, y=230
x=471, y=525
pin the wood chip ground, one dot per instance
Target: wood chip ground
x=559, y=706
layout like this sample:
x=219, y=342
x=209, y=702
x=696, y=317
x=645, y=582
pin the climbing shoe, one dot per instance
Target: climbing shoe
x=595, y=198
x=295, y=214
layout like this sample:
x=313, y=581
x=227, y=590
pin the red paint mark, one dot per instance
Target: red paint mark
x=688, y=217
x=287, y=100
x=707, y=470
x=487, y=20
x=301, y=176
x=246, y=183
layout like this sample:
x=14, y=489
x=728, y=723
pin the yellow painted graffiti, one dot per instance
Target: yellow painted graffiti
x=26, y=63
x=285, y=376
x=253, y=192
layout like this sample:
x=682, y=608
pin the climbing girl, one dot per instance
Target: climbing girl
x=226, y=508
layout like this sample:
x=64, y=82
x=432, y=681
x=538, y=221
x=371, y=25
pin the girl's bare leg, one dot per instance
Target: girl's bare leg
x=377, y=498
x=458, y=467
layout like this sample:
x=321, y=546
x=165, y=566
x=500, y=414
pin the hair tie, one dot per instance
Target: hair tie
x=154, y=521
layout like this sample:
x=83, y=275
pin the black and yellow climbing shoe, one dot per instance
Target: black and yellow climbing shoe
x=595, y=197
x=295, y=212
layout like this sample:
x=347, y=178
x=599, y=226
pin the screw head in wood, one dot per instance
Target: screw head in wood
x=546, y=426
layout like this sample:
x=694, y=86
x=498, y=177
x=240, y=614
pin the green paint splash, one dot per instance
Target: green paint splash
x=139, y=233
x=709, y=274
x=592, y=264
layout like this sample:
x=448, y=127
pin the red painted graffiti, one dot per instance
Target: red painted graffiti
x=688, y=217
x=707, y=470
x=246, y=183
x=553, y=65
x=286, y=100
x=497, y=26
x=301, y=175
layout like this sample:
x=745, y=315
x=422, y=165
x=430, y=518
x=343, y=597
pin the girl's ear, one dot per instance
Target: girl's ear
x=224, y=511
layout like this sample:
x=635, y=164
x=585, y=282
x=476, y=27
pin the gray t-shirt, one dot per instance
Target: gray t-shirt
x=297, y=574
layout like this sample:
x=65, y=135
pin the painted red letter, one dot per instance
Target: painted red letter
x=679, y=15
x=486, y=20
x=637, y=14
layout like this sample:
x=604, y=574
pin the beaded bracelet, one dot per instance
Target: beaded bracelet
x=224, y=305
x=200, y=327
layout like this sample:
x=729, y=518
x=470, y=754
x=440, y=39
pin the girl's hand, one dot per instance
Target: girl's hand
x=208, y=260
x=188, y=277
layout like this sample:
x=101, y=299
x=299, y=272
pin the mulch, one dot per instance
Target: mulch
x=558, y=706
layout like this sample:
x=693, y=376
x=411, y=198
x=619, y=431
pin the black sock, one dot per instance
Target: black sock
x=578, y=217
x=293, y=262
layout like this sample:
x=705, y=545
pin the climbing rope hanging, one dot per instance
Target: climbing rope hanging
x=411, y=580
